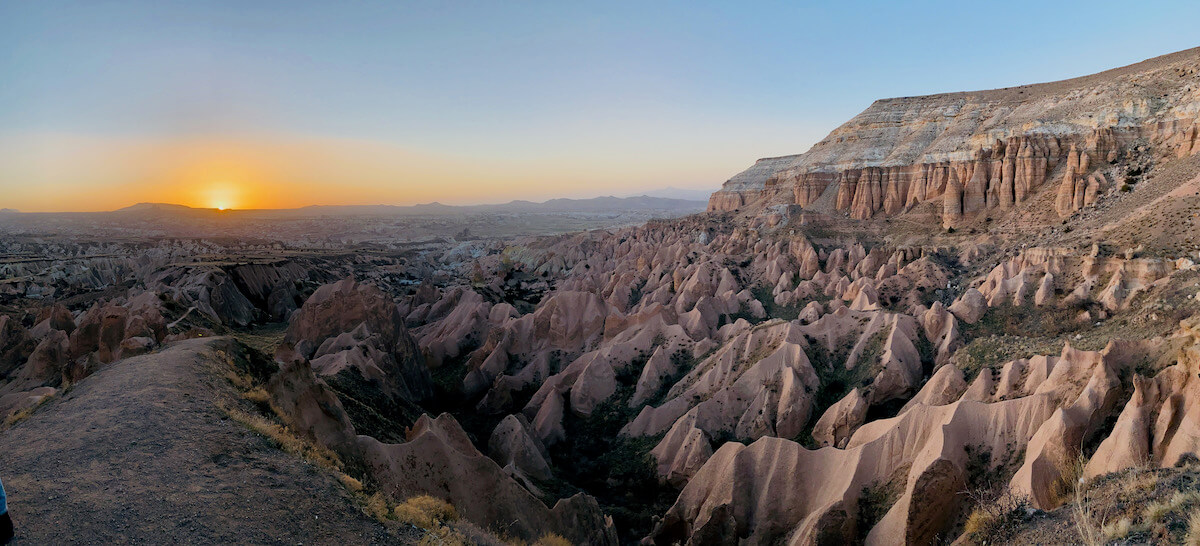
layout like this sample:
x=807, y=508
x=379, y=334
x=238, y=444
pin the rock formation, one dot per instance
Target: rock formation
x=986, y=150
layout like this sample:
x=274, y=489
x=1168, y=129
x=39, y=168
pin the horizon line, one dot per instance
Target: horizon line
x=6, y=210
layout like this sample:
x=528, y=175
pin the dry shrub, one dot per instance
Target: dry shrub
x=441, y=535
x=258, y=395
x=376, y=506
x=1087, y=522
x=425, y=511
x=1193, y=534
x=351, y=483
x=552, y=539
x=995, y=519
x=17, y=417
x=1118, y=529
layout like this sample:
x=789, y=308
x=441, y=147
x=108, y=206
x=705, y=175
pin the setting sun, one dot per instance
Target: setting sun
x=222, y=195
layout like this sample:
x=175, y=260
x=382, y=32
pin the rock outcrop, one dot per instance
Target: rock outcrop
x=973, y=152
x=352, y=326
x=1160, y=425
x=775, y=490
x=437, y=458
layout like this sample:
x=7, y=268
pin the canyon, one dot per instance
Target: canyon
x=950, y=303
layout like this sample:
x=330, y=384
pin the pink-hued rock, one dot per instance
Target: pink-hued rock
x=437, y=459
x=946, y=386
x=348, y=325
x=1158, y=425
x=513, y=446
x=970, y=306
x=774, y=489
x=841, y=420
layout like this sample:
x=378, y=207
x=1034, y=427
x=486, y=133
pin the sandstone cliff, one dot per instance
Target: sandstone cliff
x=971, y=152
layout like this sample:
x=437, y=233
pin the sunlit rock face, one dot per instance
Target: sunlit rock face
x=973, y=152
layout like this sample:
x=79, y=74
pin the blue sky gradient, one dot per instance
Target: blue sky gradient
x=646, y=94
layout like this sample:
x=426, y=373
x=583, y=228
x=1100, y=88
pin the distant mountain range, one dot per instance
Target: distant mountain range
x=607, y=204
x=686, y=194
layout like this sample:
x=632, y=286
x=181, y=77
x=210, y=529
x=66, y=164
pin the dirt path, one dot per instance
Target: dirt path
x=139, y=453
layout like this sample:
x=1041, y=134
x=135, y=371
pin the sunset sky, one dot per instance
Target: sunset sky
x=283, y=104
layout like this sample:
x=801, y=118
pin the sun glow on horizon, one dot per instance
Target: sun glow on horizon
x=92, y=172
x=222, y=195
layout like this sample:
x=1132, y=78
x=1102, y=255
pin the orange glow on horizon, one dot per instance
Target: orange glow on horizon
x=71, y=172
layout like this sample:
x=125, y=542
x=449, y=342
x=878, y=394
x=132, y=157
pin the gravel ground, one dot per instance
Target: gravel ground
x=139, y=453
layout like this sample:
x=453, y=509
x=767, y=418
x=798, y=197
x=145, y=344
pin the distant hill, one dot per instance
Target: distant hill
x=607, y=204
x=143, y=207
x=597, y=204
x=686, y=194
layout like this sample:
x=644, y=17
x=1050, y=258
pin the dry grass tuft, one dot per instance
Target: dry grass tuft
x=351, y=483
x=17, y=417
x=442, y=535
x=1087, y=522
x=242, y=381
x=258, y=395
x=425, y=512
x=1182, y=499
x=376, y=506
x=1158, y=511
x=1155, y=512
x=1070, y=480
x=552, y=539
x=1193, y=534
x=1118, y=529
x=432, y=515
x=285, y=439
x=994, y=518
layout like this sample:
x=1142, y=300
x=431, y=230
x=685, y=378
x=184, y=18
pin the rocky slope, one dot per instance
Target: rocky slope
x=140, y=452
x=987, y=152
x=825, y=364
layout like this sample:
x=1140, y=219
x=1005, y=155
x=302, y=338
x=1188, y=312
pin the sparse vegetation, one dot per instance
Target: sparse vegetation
x=994, y=521
x=1087, y=521
x=425, y=511
x=283, y=438
x=619, y=471
x=1070, y=482
x=1027, y=320
x=1140, y=505
x=551, y=539
x=1193, y=533
x=18, y=416
x=351, y=483
x=371, y=409
x=837, y=381
x=876, y=498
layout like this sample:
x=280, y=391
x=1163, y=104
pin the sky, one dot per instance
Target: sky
x=282, y=104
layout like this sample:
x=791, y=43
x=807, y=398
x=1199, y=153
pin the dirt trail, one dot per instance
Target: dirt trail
x=139, y=453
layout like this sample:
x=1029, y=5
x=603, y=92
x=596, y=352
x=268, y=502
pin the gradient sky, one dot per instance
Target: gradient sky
x=280, y=104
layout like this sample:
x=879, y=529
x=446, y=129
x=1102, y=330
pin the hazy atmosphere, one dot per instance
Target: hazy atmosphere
x=284, y=104
x=465, y=273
